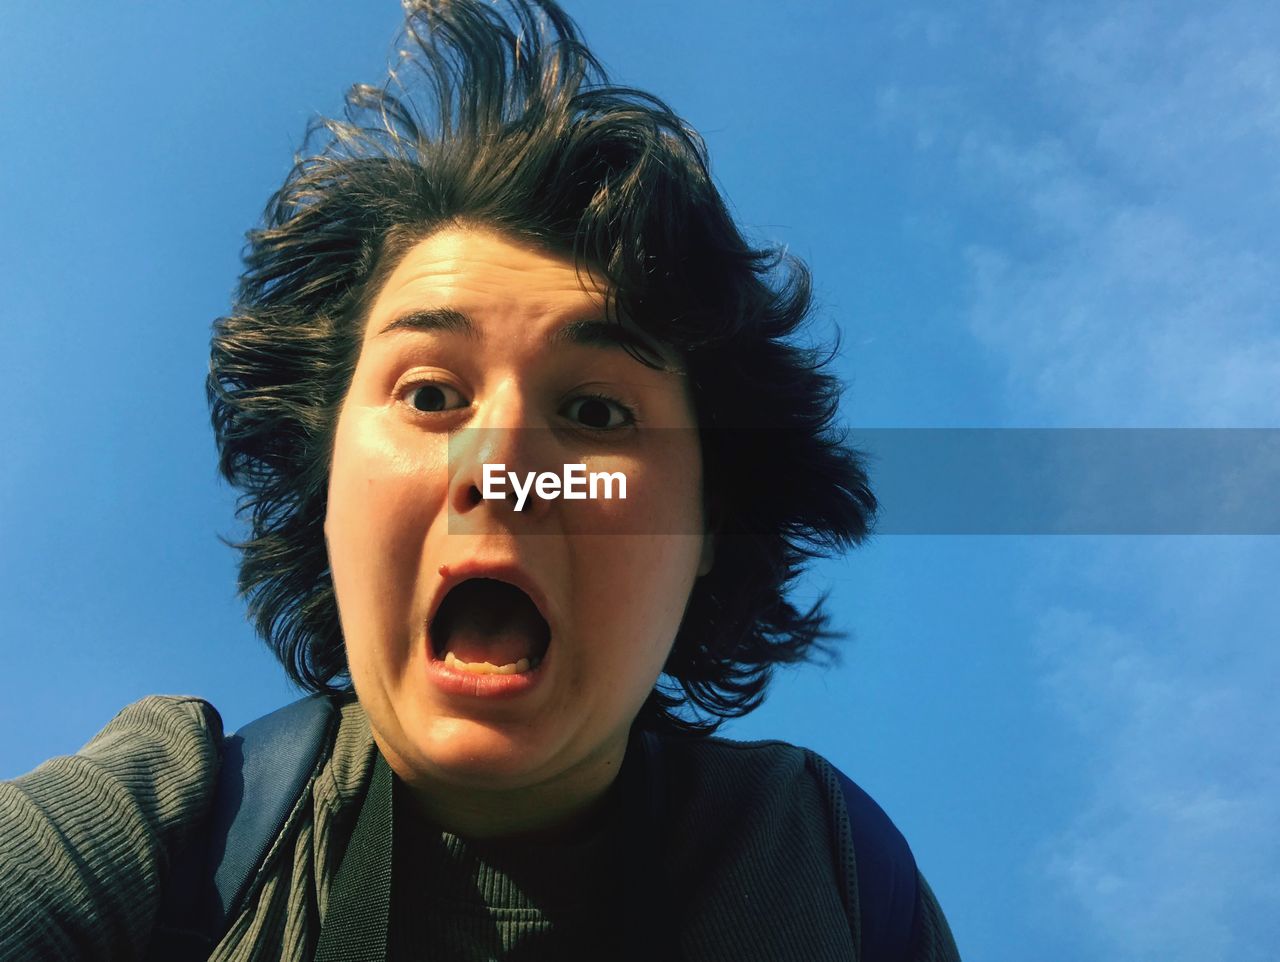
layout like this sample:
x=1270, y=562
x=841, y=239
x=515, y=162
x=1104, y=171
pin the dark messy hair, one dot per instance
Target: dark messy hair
x=523, y=133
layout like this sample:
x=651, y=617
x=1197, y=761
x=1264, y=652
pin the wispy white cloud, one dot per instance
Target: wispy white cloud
x=1175, y=854
x=1142, y=288
x=1133, y=282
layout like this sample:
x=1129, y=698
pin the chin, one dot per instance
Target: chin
x=480, y=753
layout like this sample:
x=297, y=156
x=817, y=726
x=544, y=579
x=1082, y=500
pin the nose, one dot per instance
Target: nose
x=506, y=436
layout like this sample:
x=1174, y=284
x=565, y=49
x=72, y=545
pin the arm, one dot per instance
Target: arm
x=85, y=839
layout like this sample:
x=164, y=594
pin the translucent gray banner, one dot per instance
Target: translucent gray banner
x=1082, y=481
x=928, y=481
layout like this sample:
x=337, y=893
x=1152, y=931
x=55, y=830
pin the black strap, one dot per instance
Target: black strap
x=355, y=926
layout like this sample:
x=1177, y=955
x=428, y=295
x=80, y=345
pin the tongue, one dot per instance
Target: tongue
x=486, y=620
x=497, y=648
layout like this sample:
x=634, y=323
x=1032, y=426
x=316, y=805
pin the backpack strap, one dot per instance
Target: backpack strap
x=273, y=759
x=887, y=880
x=270, y=762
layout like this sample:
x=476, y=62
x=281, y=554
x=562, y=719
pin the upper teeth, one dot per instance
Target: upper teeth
x=484, y=667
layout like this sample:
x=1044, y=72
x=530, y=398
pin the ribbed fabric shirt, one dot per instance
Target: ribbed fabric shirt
x=755, y=838
x=479, y=900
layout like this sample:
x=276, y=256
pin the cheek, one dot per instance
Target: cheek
x=635, y=588
x=664, y=490
x=646, y=570
x=383, y=497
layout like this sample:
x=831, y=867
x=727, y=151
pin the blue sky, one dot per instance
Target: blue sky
x=1017, y=215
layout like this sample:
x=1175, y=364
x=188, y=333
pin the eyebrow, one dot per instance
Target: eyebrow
x=606, y=335
x=594, y=333
x=443, y=319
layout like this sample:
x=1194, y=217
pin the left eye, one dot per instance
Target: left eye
x=432, y=397
x=601, y=413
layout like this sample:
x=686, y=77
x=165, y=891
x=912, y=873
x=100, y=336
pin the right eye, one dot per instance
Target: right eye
x=431, y=397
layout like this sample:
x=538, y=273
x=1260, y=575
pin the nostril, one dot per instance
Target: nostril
x=473, y=496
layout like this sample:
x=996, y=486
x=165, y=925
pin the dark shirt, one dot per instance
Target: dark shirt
x=477, y=901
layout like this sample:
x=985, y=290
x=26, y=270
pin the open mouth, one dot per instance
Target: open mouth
x=488, y=627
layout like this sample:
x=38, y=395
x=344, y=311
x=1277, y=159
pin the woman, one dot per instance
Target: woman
x=505, y=268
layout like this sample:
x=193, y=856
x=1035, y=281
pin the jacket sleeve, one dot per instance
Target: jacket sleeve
x=85, y=839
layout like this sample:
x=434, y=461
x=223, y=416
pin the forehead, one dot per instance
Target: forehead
x=483, y=273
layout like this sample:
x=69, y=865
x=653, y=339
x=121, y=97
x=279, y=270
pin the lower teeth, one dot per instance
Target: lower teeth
x=486, y=668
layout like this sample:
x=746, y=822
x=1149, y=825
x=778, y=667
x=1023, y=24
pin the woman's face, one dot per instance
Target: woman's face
x=481, y=349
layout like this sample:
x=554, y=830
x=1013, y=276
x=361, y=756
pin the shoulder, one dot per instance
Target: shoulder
x=163, y=750
x=750, y=854
x=758, y=768
x=718, y=767
x=185, y=725
x=85, y=839
x=719, y=787
x=149, y=774
x=759, y=776
x=785, y=807
x=723, y=769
